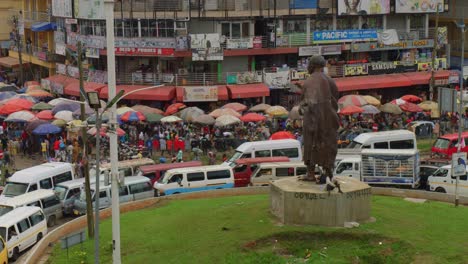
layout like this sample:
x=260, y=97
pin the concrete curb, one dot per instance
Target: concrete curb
x=75, y=225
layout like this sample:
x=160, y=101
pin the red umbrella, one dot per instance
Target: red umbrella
x=45, y=115
x=411, y=98
x=410, y=107
x=351, y=109
x=352, y=100
x=103, y=132
x=174, y=108
x=15, y=105
x=282, y=135
x=133, y=117
x=252, y=117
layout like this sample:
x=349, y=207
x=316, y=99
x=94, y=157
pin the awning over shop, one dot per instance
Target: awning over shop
x=9, y=62
x=165, y=93
x=424, y=78
x=43, y=26
x=74, y=88
x=222, y=93
x=372, y=82
x=62, y=80
x=248, y=90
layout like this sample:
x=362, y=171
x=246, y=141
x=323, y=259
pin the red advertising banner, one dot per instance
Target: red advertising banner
x=144, y=51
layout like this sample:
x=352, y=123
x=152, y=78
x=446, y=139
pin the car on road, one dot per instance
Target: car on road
x=3, y=252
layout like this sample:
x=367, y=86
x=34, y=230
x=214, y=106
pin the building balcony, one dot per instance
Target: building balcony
x=36, y=55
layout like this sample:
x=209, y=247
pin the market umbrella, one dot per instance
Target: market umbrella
x=352, y=99
x=204, y=120
x=170, y=119
x=429, y=105
x=252, y=117
x=410, y=107
x=133, y=116
x=6, y=95
x=259, y=108
x=46, y=129
x=105, y=132
x=370, y=109
x=20, y=116
x=33, y=124
x=371, y=100
x=70, y=106
x=64, y=115
x=282, y=135
x=174, y=108
x=398, y=101
x=226, y=120
x=59, y=122
x=92, y=119
x=411, y=98
x=88, y=111
x=224, y=111
x=350, y=110
x=57, y=101
x=15, y=105
x=147, y=110
x=29, y=83
x=189, y=113
x=124, y=109
x=391, y=109
x=236, y=107
x=153, y=118
x=294, y=113
x=23, y=97
x=41, y=106
x=45, y=115
x=31, y=88
x=277, y=111
x=39, y=94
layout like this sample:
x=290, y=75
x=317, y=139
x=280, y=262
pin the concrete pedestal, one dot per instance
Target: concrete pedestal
x=306, y=203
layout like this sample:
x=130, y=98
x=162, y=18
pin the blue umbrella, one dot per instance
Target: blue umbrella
x=72, y=107
x=22, y=90
x=46, y=129
x=6, y=95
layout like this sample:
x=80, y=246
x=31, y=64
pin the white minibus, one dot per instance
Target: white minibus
x=183, y=180
x=394, y=139
x=22, y=228
x=271, y=171
x=44, y=176
x=47, y=200
x=290, y=148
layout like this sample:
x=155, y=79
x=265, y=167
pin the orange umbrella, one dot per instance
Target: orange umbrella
x=15, y=105
x=282, y=135
x=411, y=98
x=45, y=115
x=39, y=93
x=174, y=108
x=351, y=109
x=252, y=117
x=236, y=107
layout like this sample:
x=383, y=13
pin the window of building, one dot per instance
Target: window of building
x=294, y=26
x=325, y=23
x=235, y=29
x=343, y=23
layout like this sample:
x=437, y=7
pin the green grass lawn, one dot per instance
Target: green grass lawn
x=424, y=145
x=241, y=230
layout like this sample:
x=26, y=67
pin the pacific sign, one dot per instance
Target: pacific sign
x=336, y=36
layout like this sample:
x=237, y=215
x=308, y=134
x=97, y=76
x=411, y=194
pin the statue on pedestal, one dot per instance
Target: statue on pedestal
x=319, y=106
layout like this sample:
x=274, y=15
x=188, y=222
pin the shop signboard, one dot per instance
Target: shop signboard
x=339, y=36
x=279, y=79
x=92, y=53
x=204, y=41
x=447, y=98
x=242, y=43
x=299, y=75
x=363, y=7
x=70, y=21
x=320, y=50
x=60, y=49
x=376, y=68
x=419, y=6
x=98, y=42
x=89, y=9
x=181, y=43
x=67, y=70
x=56, y=88
x=356, y=69
x=257, y=42
x=146, y=42
x=97, y=76
x=62, y=8
x=42, y=55
x=303, y=4
x=244, y=77
x=45, y=84
x=200, y=93
x=441, y=63
x=407, y=44
x=163, y=52
x=208, y=54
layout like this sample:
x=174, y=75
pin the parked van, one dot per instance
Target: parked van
x=195, y=179
x=47, y=200
x=126, y=167
x=243, y=168
x=22, y=228
x=290, y=148
x=267, y=172
x=394, y=139
x=3, y=252
x=44, y=176
x=155, y=172
x=446, y=145
x=135, y=188
x=442, y=181
x=68, y=192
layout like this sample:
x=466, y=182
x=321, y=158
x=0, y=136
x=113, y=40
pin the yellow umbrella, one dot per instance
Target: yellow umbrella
x=59, y=122
x=123, y=110
x=371, y=100
x=429, y=105
x=277, y=111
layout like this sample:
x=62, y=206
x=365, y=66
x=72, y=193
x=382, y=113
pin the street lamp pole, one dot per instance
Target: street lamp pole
x=97, y=191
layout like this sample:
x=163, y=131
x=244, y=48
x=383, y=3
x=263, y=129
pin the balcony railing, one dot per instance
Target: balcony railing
x=32, y=16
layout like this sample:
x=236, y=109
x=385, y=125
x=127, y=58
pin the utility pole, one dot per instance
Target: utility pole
x=434, y=53
x=18, y=46
x=84, y=159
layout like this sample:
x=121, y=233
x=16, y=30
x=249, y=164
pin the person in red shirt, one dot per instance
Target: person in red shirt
x=56, y=147
x=375, y=127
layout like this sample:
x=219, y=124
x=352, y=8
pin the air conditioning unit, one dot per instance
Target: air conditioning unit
x=182, y=71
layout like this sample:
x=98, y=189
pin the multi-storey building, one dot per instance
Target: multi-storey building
x=208, y=50
x=5, y=42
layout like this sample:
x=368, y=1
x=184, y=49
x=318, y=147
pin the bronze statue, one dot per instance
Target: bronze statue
x=320, y=123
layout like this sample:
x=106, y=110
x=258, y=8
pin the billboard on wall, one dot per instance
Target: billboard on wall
x=62, y=8
x=200, y=93
x=210, y=54
x=89, y=9
x=419, y=6
x=303, y=4
x=363, y=7
x=204, y=41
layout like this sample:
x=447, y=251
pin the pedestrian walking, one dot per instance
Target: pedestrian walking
x=180, y=155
